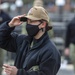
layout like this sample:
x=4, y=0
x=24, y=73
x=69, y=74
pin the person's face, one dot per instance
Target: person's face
x=33, y=22
x=34, y=26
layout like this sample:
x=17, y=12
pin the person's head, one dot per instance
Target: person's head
x=37, y=20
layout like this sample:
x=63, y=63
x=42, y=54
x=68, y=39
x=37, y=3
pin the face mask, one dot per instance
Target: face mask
x=32, y=30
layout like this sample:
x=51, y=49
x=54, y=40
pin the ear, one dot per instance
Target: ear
x=43, y=24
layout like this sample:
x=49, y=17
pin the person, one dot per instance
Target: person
x=35, y=53
x=70, y=42
x=3, y=17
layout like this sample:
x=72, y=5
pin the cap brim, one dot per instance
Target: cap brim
x=24, y=19
x=29, y=17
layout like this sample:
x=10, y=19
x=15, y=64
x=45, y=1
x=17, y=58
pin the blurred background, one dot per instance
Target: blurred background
x=61, y=12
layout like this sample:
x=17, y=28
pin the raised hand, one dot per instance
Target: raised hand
x=16, y=21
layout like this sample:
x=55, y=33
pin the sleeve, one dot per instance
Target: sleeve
x=48, y=66
x=7, y=40
x=5, y=17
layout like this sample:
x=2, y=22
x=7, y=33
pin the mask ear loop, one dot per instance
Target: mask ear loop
x=41, y=28
x=40, y=23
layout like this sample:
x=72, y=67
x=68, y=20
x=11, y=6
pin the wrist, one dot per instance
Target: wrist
x=10, y=25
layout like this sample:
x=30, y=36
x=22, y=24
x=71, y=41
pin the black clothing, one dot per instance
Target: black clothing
x=70, y=34
x=4, y=17
x=42, y=54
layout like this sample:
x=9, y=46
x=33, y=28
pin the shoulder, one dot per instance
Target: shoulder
x=50, y=46
x=50, y=50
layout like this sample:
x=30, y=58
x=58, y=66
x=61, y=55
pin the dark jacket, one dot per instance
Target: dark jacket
x=4, y=17
x=40, y=59
x=70, y=33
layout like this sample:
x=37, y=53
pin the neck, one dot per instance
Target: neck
x=39, y=34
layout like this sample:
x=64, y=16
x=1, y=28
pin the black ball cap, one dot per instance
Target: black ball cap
x=24, y=19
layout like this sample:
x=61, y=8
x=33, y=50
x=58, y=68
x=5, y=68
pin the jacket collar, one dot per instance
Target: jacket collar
x=37, y=43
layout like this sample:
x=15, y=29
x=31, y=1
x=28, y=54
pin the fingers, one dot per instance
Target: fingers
x=6, y=66
x=7, y=69
x=18, y=17
x=16, y=21
x=20, y=23
x=10, y=70
x=22, y=15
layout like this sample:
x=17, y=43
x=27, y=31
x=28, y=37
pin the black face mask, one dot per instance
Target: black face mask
x=32, y=30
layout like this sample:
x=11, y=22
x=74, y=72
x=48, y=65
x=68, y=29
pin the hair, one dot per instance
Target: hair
x=47, y=25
